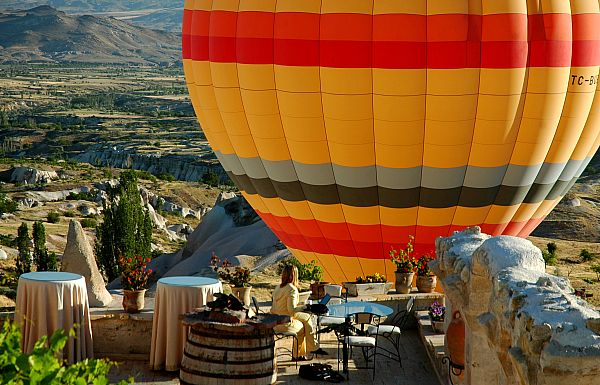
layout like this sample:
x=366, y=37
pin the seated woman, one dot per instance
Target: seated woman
x=285, y=302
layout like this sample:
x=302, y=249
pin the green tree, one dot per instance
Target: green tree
x=211, y=178
x=4, y=122
x=24, y=257
x=126, y=229
x=596, y=269
x=7, y=205
x=43, y=260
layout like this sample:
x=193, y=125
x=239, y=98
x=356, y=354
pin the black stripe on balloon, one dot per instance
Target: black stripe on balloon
x=400, y=198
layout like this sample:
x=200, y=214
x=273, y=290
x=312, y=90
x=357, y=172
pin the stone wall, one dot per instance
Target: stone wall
x=523, y=326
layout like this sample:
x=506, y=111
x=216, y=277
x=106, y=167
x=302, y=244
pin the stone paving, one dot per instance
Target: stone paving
x=415, y=370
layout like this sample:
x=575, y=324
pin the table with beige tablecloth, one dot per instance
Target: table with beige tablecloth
x=48, y=301
x=174, y=297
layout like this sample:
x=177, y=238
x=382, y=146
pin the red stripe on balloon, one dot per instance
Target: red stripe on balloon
x=368, y=241
x=185, y=34
x=385, y=41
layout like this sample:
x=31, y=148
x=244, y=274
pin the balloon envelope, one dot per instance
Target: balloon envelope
x=351, y=124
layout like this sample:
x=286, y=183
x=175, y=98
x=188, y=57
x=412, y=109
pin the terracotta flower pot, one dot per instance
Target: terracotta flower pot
x=404, y=282
x=243, y=294
x=133, y=300
x=426, y=283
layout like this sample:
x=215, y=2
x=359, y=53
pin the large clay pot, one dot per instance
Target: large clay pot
x=243, y=294
x=133, y=300
x=404, y=282
x=426, y=283
x=455, y=337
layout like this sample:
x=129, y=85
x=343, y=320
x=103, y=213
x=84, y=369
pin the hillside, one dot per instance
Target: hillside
x=78, y=6
x=44, y=34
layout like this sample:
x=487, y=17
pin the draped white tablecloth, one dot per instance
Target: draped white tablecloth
x=48, y=301
x=174, y=297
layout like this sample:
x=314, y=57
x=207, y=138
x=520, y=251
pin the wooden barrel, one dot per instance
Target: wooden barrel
x=228, y=354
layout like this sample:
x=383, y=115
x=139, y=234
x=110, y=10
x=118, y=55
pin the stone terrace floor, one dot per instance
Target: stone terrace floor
x=416, y=368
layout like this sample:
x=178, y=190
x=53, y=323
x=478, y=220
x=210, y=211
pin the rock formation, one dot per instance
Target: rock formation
x=28, y=175
x=523, y=326
x=231, y=230
x=79, y=258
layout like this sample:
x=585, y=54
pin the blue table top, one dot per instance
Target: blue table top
x=50, y=276
x=353, y=307
x=188, y=281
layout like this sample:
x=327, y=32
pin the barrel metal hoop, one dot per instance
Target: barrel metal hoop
x=228, y=376
x=226, y=348
x=230, y=337
x=212, y=361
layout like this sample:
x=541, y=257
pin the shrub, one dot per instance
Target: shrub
x=89, y=223
x=70, y=214
x=549, y=259
x=166, y=177
x=596, y=269
x=306, y=271
x=211, y=178
x=53, y=217
x=552, y=248
x=44, y=365
x=7, y=205
x=586, y=256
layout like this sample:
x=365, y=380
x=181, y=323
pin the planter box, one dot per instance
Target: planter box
x=356, y=289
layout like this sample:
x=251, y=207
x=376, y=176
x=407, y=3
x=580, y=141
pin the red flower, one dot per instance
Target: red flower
x=149, y=271
x=129, y=260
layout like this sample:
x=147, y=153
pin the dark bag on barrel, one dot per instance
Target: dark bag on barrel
x=317, y=308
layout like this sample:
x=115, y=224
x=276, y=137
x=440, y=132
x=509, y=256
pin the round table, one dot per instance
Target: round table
x=48, y=301
x=174, y=297
x=352, y=307
x=345, y=310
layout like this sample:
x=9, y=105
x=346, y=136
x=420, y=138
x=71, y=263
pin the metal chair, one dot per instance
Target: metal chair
x=363, y=340
x=392, y=331
x=281, y=335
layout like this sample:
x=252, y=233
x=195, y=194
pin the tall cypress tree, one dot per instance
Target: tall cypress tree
x=40, y=252
x=24, y=258
x=126, y=229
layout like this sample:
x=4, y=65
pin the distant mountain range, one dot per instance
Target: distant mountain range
x=156, y=14
x=78, y=6
x=44, y=34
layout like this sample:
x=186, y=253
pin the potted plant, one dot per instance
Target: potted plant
x=238, y=277
x=313, y=272
x=134, y=278
x=370, y=284
x=437, y=312
x=426, y=280
x=406, y=264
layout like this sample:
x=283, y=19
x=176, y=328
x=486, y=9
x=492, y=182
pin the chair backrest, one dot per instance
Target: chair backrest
x=325, y=299
x=402, y=316
x=303, y=297
x=255, y=304
x=363, y=319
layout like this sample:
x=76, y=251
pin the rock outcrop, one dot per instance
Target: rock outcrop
x=231, y=229
x=79, y=258
x=181, y=166
x=523, y=326
x=28, y=175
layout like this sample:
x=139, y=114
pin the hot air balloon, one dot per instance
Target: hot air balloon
x=351, y=124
